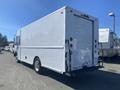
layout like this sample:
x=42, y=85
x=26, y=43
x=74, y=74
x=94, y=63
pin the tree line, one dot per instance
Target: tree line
x=3, y=40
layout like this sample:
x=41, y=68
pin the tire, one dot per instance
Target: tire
x=15, y=54
x=18, y=61
x=37, y=65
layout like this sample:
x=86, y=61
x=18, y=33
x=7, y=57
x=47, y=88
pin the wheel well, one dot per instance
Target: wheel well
x=35, y=58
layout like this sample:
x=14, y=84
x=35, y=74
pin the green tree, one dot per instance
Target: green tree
x=3, y=40
x=1, y=37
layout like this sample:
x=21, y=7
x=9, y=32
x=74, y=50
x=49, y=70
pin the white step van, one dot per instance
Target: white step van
x=63, y=41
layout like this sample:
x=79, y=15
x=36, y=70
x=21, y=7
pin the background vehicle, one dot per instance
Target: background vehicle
x=0, y=49
x=11, y=46
x=107, y=43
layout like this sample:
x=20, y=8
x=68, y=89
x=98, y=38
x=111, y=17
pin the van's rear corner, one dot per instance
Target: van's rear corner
x=81, y=41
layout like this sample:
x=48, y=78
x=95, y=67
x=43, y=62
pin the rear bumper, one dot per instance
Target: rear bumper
x=85, y=69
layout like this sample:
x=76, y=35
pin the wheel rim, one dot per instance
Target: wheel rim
x=37, y=65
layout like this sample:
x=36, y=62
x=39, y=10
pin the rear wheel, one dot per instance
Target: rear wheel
x=37, y=65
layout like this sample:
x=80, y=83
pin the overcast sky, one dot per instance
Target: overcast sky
x=15, y=14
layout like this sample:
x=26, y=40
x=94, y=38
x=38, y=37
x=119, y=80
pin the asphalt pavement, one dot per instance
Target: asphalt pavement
x=15, y=76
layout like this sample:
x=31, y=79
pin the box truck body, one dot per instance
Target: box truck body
x=65, y=40
x=108, y=43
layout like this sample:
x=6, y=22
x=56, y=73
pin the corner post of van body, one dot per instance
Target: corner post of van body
x=96, y=34
x=67, y=43
x=93, y=39
x=65, y=28
x=20, y=43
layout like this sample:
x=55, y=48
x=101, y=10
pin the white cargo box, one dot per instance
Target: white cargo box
x=65, y=40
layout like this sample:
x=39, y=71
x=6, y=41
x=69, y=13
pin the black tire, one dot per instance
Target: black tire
x=18, y=61
x=15, y=54
x=37, y=65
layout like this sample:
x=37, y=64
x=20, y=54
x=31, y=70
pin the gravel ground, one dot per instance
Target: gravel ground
x=14, y=76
